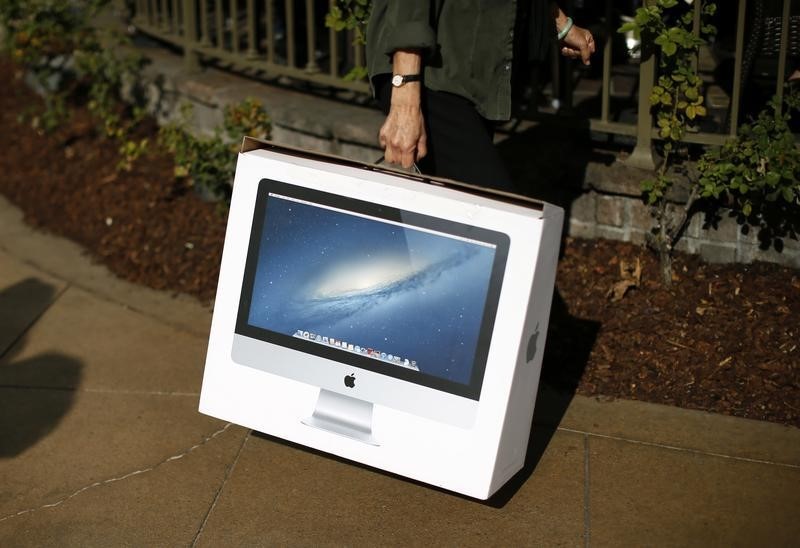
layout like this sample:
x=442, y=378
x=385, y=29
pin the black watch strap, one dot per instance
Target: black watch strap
x=400, y=79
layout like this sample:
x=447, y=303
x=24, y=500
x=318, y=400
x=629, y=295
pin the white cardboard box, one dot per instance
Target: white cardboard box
x=474, y=456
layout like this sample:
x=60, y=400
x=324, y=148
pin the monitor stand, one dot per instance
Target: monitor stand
x=343, y=415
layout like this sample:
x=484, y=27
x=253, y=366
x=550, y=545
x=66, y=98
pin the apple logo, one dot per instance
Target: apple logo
x=531, y=352
x=350, y=381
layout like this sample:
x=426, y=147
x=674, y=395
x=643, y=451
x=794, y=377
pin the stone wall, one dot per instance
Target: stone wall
x=619, y=217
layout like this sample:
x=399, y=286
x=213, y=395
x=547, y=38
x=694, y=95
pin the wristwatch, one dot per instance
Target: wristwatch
x=400, y=79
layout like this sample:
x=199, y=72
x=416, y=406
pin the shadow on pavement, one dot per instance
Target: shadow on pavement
x=35, y=393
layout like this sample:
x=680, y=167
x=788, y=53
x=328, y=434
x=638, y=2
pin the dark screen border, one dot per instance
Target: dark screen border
x=500, y=240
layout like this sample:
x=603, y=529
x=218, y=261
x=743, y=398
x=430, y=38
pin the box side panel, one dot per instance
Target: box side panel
x=519, y=414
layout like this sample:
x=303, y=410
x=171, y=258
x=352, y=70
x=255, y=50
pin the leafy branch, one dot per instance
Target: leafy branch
x=666, y=31
x=351, y=15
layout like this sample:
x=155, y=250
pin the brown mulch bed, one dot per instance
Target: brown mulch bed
x=723, y=338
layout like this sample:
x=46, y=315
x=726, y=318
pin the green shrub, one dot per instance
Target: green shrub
x=105, y=72
x=757, y=174
x=41, y=37
x=58, y=46
x=209, y=163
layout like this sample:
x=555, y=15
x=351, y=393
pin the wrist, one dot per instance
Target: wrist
x=564, y=28
x=407, y=96
x=399, y=80
x=560, y=17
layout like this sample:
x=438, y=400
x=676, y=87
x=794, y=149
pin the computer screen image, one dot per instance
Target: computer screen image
x=405, y=295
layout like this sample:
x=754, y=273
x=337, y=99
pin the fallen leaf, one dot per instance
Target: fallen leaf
x=618, y=290
x=631, y=276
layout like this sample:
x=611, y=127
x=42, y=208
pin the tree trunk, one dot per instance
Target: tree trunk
x=665, y=260
x=664, y=244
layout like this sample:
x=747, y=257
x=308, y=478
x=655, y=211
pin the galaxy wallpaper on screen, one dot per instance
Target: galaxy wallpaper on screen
x=376, y=285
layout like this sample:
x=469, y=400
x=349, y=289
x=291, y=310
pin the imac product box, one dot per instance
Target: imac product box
x=389, y=319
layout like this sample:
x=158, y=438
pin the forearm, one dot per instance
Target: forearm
x=406, y=62
x=559, y=16
x=402, y=135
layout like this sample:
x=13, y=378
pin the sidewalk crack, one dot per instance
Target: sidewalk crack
x=109, y=481
x=587, y=501
x=228, y=473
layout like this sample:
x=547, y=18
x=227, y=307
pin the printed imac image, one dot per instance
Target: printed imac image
x=403, y=294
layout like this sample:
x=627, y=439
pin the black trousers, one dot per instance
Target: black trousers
x=460, y=141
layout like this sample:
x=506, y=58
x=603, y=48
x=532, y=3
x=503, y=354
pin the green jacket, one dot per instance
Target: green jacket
x=469, y=45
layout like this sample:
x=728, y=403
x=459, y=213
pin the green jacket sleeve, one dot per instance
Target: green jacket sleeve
x=408, y=25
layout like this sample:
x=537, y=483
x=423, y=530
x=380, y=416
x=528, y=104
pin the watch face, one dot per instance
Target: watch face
x=397, y=80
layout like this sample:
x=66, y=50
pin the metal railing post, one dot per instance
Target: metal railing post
x=219, y=21
x=359, y=53
x=270, y=22
x=333, y=44
x=252, y=51
x=642, y=155
x=234, y=18
x=606, y=89
x=311, y=39
x=782, y=53
x=190, y=57
x=174, y=20
x=141, y=11
x=205, y=39
x=290, y=45
x=163, y=20
x=737, y=69
x=696, y=31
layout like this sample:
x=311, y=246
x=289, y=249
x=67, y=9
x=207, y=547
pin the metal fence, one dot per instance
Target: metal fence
x=276, y=38
x=288, y=38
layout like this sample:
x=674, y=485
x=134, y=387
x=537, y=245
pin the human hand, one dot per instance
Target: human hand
x=578, y=43
x=402, y=135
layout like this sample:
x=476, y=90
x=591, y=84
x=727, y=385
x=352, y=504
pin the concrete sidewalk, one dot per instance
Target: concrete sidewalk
x=101, y=444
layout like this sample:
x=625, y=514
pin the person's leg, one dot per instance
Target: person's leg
x=460, y=145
